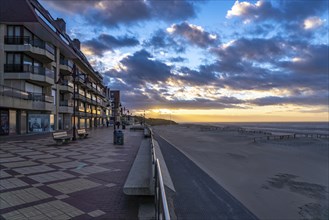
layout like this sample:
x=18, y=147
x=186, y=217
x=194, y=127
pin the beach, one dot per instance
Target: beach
x=274, y=179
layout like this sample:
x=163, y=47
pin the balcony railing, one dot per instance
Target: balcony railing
x=20, y=94
x=27, y=68
x=68, y=103
x=23, y=40
x=66, y=62
x=12, y=92
x=67, y=83
x=41, y=97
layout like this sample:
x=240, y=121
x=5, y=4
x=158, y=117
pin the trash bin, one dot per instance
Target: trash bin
x=118, y=137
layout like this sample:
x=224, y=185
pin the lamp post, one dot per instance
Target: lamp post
x=74, y=74
x=114, y=115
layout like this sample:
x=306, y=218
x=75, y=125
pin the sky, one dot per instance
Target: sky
x=207, y=60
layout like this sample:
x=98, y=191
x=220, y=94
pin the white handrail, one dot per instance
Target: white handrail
x=162, y=211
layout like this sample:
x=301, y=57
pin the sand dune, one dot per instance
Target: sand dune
x=276, y=179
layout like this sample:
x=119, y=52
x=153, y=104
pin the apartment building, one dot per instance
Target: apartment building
x=115, y=106
x=46, y=82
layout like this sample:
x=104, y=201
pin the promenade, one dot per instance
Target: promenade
x=81, y=180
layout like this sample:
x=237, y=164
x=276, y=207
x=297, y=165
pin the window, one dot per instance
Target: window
x=29, y=87
x=14, y=31
x=53, y=94
x=14, y=58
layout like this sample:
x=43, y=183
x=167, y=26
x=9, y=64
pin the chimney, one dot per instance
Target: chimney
x=76, y=43
x=61, y=24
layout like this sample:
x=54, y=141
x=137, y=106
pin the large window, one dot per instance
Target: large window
x=29, y=87
x=39, y=123
x=14, y=31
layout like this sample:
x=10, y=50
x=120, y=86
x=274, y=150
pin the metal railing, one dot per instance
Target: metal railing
x=28, y=68
x=20, y=94
x=67, y=83
x=68, y=103
x=25, y=40
x=66, y=62
x=12, y=92
x=160, y=198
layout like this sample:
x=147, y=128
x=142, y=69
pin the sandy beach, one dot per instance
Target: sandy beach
x=275, y=179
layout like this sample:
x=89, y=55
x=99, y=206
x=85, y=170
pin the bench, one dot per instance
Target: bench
x=82, y=133
x=147, y=133
x=61, y=137
x=140, y=177
x=137, y=128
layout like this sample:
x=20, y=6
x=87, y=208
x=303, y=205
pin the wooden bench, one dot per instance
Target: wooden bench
x=61, y=137
x=82, y=133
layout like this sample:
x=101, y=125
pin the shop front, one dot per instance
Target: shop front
x=40, y=122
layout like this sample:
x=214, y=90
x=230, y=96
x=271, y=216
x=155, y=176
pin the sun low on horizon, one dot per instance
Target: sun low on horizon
x=208, y=61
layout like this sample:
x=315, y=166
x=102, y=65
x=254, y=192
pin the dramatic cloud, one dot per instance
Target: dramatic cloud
x=277, y=56
x=173, y=10
x=313, y=23
x=161, y=40
x=317, y=99
x=177, y=59
x=248, y=11
x=113, y=13
x=194, y=34
x=311, y=60
x=285, y=11
x=140, y=68
x=105, y=42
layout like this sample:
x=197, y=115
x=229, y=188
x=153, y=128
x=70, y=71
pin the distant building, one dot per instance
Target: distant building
x=116, y=105
x=43, y=74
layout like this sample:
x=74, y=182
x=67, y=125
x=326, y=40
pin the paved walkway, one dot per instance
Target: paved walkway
x=80, y=180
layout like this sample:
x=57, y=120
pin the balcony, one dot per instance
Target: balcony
x=15, y=98
x=37, y=49
x=66, y=66
x=79, y=80
x=66, y=86
x=39, y=75
x=66, y=106
x=78, y=96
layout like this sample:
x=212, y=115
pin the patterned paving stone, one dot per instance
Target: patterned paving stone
x=73, y=185
x=69, y=164
x=102, y=160
x=54, y=160
x=56, y=151
x=48, y=148
x=3, y=155
x=4, y=174
x=50, y=210
x=96, y=213
x=52, y=176
x=69, y=153
x=34, y=169
x=30, y=153
x=90, y=170
x=20, y=150
x=18, y=197
x=19, y=164
x=62, y=197
x=82, y=157
x=41, y=156
x=76, y=186
x=10, y=159
x=11, y=183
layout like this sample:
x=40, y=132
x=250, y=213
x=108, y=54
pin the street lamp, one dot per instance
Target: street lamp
x=74, y=74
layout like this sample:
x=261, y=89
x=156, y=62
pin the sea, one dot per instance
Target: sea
x=279, y=127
